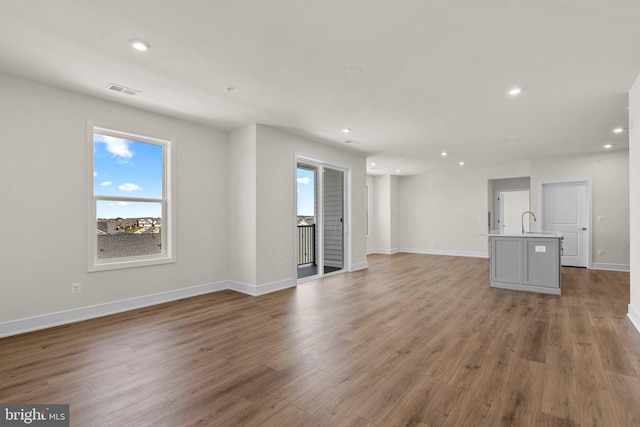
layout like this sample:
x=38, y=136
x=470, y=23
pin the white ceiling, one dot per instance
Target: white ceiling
x=434, y=74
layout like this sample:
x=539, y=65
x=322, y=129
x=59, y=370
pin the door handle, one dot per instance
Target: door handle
x=584, y=229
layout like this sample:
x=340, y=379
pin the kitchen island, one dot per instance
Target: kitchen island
x=528, y=261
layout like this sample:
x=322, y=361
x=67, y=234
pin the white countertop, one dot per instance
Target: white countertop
x=540, y=234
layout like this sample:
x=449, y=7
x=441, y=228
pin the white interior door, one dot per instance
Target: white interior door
x=511, y=206
x=565, y=210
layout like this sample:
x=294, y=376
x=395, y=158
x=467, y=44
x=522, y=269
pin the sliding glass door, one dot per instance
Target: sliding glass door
x=320, y=219
x=307, y=220
x=333, y=220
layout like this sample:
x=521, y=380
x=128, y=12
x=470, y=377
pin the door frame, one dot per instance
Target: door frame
x=587, y=182
x=346, y=170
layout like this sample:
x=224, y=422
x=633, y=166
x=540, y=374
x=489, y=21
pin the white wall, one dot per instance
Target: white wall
x=444, y=213
x=43, y=192
x=394, y=205
x=235, y=218
x=242, y=224
x=382, y=227
x=436, y=213
x=274, y=189
x=371, y=212
x=634, y=180
x=381, y=218
x=276, y=208
x=440, y=213
x=609, y=174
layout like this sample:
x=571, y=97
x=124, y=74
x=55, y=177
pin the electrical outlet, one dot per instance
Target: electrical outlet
x=600, y=251
x=76, y=288
x=280, y=265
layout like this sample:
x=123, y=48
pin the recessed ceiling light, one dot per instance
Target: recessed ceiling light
x=461, y=163
x=373, y=163
x=608, y=146
x=515, y=91
x=618, y=130
x=398, y=170
x=444, y=153
x=346, y=130
x=140, y=45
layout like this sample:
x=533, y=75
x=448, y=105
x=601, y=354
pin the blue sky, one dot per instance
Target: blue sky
x=306, y=186
x=126, y=168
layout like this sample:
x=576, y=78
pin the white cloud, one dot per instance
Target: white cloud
x=305, y=180
x=117, y=146
x=122, y=203
x=105, y=183
x=128, y=187
x=95, y=174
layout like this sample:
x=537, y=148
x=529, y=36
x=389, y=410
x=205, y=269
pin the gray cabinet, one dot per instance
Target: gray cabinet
x=526, y=263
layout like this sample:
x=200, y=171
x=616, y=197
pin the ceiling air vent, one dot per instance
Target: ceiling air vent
x=121, y=89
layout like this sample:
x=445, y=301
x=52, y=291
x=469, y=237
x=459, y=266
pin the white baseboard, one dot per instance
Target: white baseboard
x=360, y=266
x=610, y=267
x=267, y=288
x=594, y=266
x=383, y=251
x=634, y=316
x=429, y=252
x=243, y=288
x=19, y=326
x=469, y=254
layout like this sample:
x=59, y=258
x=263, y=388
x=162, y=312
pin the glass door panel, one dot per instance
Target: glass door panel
x=333, y=220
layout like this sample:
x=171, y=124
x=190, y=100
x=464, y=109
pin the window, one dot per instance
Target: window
x=130, y=211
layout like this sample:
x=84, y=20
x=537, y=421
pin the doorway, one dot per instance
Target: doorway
x=510, y=204
x=508, y=198
x=306, y=220
x=565, y=208
x=320, y=219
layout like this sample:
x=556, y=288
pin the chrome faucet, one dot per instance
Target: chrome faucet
x=523, y=214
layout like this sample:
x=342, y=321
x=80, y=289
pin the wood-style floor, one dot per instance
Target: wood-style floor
x=414, y=340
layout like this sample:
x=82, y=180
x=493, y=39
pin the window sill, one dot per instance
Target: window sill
x=117, y=263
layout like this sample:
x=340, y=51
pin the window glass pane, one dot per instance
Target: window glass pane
x=306, y=192
x=126, y=168
x=126, y=228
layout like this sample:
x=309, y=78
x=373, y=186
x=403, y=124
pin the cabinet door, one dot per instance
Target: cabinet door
x=506, y=259
x=541, y=262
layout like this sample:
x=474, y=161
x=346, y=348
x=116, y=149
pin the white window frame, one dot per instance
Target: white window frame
x=167, y=254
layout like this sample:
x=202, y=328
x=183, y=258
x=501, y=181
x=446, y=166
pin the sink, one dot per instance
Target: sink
x=536, y=232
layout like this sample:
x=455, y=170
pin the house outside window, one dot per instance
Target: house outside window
x=130, y=213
